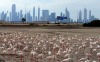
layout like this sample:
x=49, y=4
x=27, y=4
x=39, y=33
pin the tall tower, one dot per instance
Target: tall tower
x=20, y=15
x=28, y=17
x=61, y=14
x=90, y=16
x=39, y=14
x=80, y=16
x=85, y=15
x=2, y=15
x=67, y=14
x=10, y=16
x=13, y=12
x=34, y=14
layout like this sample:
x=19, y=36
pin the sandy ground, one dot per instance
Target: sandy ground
x=73, y=36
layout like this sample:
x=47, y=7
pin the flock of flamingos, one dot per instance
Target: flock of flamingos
x=44, y=47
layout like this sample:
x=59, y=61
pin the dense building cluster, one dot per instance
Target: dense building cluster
x=44, y=15
x=87, y=17
x=49, y=47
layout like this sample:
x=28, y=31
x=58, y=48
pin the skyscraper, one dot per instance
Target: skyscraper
x=45, y=15
x=13, y=12
x=21, y=15
x=18, y=15
x=61, y=14
x=67, y=14
x=39, y=14
x=10, y=16
x=85, y=15
x=2, y=15
x=34, y=14
x=80, y=17
x=28, y=17
x=7, y=18
x=53, y=17
x=90, y=16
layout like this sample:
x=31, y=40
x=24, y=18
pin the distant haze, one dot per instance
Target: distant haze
x=74, y=6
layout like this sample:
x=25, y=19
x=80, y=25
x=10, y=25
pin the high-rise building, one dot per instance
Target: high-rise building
x=7, y=18
x=39, y=14
x=20, y=15
x=28, y=17
x=80, y=17
x=85, y=15
x=13, y=12
x=31, y=18
x=90, y=16
x=36, y=18
x=61, y=14
x=2, y=15
x=17, y=16
x=67, y=14
x=45, y=15
x=94, y=18
x=53, y=17
x=34, y=14
x=10, y=16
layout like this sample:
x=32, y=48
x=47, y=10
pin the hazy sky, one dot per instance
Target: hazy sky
x=74, y=6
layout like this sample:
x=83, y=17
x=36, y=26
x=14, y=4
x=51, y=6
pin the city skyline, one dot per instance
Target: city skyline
x=45, y=15
x=53, y=5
